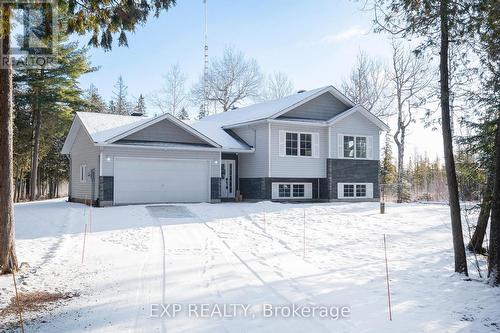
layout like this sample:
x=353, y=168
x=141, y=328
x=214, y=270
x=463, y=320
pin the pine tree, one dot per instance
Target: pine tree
x=102, y=19
x=202, y=113
x=94, y=101
x=122, y=106
x=140, y=107
x=387, y=167
x=183, y=114
x=51, y=92
x=112, y=107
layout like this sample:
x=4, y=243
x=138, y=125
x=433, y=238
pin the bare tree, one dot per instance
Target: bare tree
x=408, y=79
x=367, y=83
x=231, y=80
x=172, y=96
x=277, y=85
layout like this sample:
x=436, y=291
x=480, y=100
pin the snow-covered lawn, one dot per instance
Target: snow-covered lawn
x=250, y=254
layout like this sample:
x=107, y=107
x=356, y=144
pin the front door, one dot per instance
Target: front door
x=227, y=179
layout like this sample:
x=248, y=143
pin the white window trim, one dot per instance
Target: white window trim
x=314, y=151
x=369, y=191
x=307, y=191
x=369, y=146
x=83, y=173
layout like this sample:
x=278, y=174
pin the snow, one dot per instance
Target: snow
x=104, y=126
x=262, y=110
x=250, y=254
x=212, y=126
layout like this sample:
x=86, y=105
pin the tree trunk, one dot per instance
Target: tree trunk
x=37, y=122
x=8, y=259
x=494, y=248
x=451, y=176
x=476, y=243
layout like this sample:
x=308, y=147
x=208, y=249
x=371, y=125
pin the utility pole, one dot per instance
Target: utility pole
x=205, y=68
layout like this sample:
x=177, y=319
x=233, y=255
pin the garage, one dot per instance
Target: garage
x=147, y=180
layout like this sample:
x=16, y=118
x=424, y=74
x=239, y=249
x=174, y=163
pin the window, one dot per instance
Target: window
x=291, y=144
x=348, y=190
x=360, y=147
x=299, y=144
x=284, y=190
x=305, y=144
x=291, y=190
x=355, y=190
x=83, y=173
x=349, y=146
x=353, y=146
x=298, y=190
x=361, y=190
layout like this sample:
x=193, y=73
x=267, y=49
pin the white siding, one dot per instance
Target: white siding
x=109, y=153
x=356, y=124
x=84, y=152
x=299, y=166
x=254, y=165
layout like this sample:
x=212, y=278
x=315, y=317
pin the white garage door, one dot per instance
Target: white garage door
x=144, y=180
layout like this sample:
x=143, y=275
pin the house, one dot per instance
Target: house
x=313, y=145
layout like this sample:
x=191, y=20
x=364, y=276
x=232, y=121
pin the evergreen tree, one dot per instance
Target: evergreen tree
x=112, y=107
x=51, y=92
x=94, y=101
x=122, y=106
x=140, y=107
x=387, y=167
x=102, y=19
x=183, y=114
x=202, y=113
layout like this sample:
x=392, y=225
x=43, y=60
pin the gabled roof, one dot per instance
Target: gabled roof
x=358, y=108
x=103, y=128
x=155, y=120
x=269, y=109
x=214, y=125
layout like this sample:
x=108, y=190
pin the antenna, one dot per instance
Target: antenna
x=205, y=69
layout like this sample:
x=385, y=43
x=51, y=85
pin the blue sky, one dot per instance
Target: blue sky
x=314, y=42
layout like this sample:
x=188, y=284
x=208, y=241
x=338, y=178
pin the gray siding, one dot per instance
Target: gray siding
x=298, y=166
x=253, y=165
x=83, y=152
x=356, y=124
x=323, y=107
x=112, y=152
x=165, y=131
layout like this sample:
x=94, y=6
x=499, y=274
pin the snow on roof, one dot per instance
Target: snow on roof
x=259, y=111
x=212, y=126
x=104, y=126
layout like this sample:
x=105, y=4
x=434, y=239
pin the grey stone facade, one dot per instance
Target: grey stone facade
x=106, y=190
x=338, y=170
x=215, y=188
x=350, y=171
x=255, y=188
x=260, y=188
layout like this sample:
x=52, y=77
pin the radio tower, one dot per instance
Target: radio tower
x=205, y=68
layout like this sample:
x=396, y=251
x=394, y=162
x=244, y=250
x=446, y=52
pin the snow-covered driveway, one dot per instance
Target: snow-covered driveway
x=248, y=254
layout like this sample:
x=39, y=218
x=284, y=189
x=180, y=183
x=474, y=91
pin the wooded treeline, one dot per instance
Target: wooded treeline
x=459, y=42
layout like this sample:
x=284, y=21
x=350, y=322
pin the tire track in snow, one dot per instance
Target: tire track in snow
x=316, y=322
x=145, y=290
